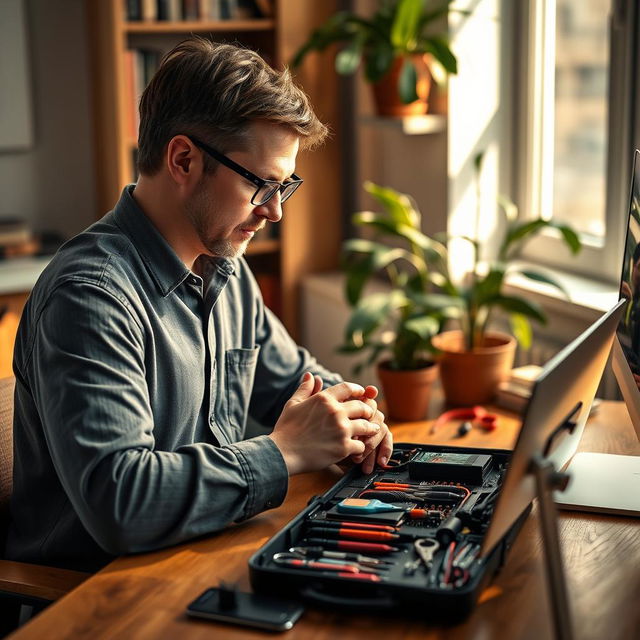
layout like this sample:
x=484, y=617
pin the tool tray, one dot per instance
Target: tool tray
x=449, y=587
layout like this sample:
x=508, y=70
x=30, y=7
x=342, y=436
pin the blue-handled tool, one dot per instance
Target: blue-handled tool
x=360, y=505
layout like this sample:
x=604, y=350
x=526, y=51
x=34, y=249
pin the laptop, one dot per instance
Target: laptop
x=554, y=419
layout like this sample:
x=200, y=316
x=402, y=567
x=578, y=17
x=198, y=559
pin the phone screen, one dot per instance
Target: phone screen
x=249, y=609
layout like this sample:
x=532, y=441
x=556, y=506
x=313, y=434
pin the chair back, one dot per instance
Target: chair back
x=7, y=386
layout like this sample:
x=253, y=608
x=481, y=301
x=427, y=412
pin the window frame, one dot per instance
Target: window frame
x=535, y=24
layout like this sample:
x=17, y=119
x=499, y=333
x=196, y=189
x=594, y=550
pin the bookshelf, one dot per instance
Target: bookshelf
x=308, y=237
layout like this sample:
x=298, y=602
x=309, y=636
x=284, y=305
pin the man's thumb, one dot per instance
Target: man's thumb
x=304, y=390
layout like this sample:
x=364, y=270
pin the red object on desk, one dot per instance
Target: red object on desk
x=487, y=421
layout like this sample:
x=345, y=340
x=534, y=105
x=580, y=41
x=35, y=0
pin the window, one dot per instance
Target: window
x=575, y=151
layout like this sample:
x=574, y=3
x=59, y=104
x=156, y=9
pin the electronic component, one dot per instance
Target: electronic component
x=460, y=467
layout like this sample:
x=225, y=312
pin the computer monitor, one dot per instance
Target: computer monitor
x=607, y=483
x=561, y=397
x=626, y=347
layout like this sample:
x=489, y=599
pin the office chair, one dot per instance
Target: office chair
x=25, y=588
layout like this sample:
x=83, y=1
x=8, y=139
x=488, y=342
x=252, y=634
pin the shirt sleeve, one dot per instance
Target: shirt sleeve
x=281, y=366
x=87, y=376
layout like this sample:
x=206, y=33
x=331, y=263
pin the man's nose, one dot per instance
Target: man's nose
x=271, y=210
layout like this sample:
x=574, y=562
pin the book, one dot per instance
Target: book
x=514, y=393
x=265, y=8
x=133, y=10
x=190, y=9
x=174, y=10
x=149, y=10
x=526, y=375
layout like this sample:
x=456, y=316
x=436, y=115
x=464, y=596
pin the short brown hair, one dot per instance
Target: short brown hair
x=214, y=91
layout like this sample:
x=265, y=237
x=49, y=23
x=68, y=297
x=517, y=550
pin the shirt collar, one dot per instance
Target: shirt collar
x=162, y=262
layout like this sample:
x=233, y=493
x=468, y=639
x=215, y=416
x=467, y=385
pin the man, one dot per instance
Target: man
x=145, y=344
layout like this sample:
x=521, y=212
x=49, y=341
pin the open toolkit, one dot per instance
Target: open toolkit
x=404, y=538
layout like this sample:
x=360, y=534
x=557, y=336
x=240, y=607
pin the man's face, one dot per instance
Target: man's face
x=220, y=209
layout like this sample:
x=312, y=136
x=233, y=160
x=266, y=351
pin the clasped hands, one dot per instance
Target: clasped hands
x=320, y=427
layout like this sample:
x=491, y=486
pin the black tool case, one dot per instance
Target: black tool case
x=405, y=586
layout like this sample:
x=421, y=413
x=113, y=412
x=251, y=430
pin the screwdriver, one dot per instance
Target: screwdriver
x=315, y=564
x=369, y=577
x=333, y=524
x=320, y=552
x=348, y=545
x=354, y=534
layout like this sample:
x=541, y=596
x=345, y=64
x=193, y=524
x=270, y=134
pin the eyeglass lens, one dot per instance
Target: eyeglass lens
x=267, y=191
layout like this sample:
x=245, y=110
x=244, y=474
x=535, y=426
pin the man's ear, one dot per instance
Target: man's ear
x=184, y=161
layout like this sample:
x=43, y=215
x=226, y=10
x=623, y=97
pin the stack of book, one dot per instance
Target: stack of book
x=16, y=239
x=176, y=10
x=514, y=393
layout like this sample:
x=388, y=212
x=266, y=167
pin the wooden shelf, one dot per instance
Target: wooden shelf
x=198, y=26
x=302, y=246
x=410, y=125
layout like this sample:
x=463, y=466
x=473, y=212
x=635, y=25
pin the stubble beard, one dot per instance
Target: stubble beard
x=200, y=209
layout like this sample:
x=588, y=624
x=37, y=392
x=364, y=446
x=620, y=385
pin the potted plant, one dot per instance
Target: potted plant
x=423, y=298
x=399, y=45
x=400, y=322
x=474, y=360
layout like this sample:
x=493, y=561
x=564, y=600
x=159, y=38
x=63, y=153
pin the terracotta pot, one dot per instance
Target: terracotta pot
x=387, y=97
x=407, y=393
x=472, y=377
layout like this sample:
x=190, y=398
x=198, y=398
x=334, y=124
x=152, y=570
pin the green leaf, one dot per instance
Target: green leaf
x=477, y=161
x=521, y=328
x=435, y=251
x=490, y=286
x=404, y=30
x=515, y=304
x=449, y=306
x=439, y=49
x=377, y=62
x=538, y=276
x=570, y=237
x=407, y=81
x=375, y=257
x=397, y=204
x=518, y=232
x=348, y=60
x=424, y=326
x=372, y=312
x=510, y=208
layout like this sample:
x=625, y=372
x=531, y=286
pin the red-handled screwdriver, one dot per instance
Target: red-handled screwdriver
x=369, y=577
x=337, y=524
x=354, y=534
x=348, y=545
x=315, y=564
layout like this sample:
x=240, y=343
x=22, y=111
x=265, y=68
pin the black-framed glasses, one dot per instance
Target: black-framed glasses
x=265, y=189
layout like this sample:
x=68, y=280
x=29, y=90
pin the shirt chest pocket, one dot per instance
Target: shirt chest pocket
x=240, y=371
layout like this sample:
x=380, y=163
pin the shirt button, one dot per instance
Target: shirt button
x=269, y=504
x=193, y=280
x=212, y=420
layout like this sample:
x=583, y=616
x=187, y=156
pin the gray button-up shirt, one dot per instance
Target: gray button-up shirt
x=134, y=379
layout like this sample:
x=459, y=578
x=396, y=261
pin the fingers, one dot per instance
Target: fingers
x=362, y=428
x=344, y=391
x=304, y=390
x=357, y=409
x=318, y=384
x=385, y=448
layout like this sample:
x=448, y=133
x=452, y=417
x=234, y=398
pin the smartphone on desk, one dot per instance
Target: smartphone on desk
x=248, y=609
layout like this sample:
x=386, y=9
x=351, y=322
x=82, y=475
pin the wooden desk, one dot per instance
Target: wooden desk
x=145, y=596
